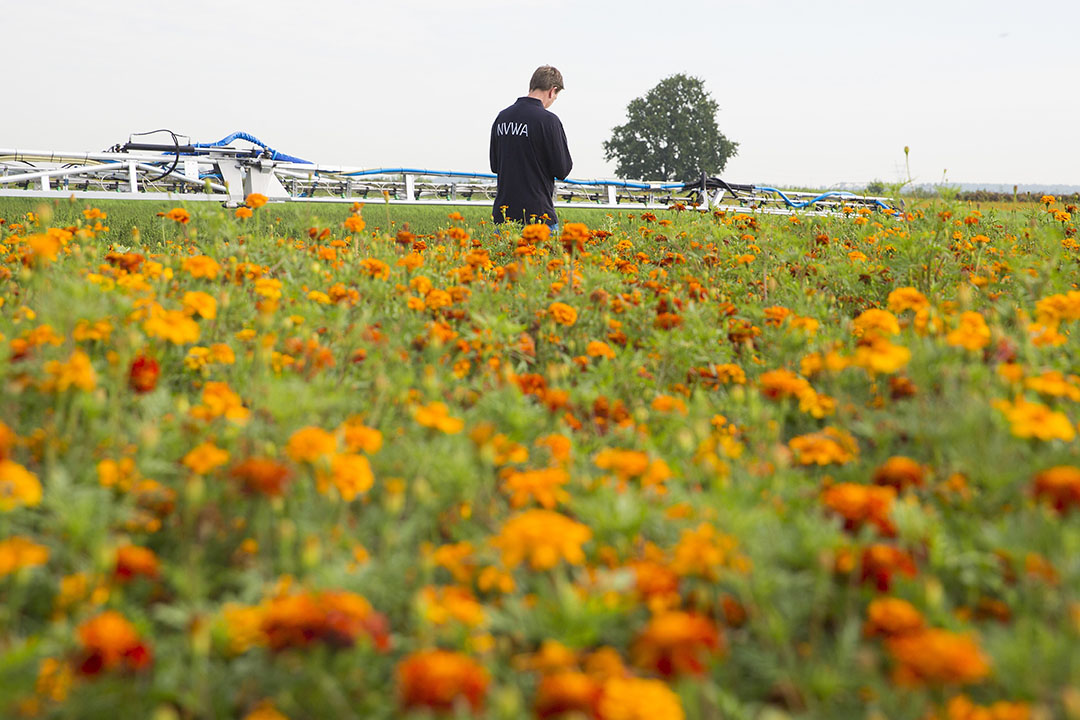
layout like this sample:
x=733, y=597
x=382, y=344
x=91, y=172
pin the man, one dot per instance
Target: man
x=528, y=151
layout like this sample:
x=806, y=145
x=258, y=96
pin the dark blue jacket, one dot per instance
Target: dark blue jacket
x=528, y=151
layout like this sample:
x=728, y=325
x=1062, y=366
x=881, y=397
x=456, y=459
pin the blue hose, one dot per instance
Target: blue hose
x=274, y=154
x=807, y=203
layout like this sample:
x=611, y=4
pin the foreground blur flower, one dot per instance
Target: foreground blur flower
x=543, y=538
x=440, y=679
x=255, y=200
x=110, y=642
x=133, y=561
x=831, y=445
x=19, y=552
x=892, y=617
x=900, y=472
x=1060, y=486
x=205, y=457
x=541, y=486
x=937, y=657
x=349, y=473
x=1035, y=420
x=564, y=692
x=262, y=476
x=676, y=643
x=75, y=372
x=179, y=215
x=311, y=443
x=336, y=618
x=971, y=334
x=18, y=486
x=861, y=504
x=144, y=373
x=562, y=313
x=629, y=698
x=437, y=415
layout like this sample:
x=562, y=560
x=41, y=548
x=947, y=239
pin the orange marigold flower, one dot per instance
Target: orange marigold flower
x=110, y=642
x=218, y=400
x=171, y=325
x=310, y=444
x=355, y=224
x=201, y=266
x=937, y=657
x=704, y=551
x=597, y=348
x=972, y=333
x=349, y=473
x=859, y=504
x=441, y=605
x=630, y=698
x=878, y=355
x=907, y=298
x=360, y=437
x=265, y=710
x=179, y=215
x=960, y=707
x=779, y=384
x=624, y=463
x=563, y=314
x=541, y=486
x=676, y=643
x=437, y=415
x=543, y=538
x=19, y=552
x=574, y=235
x=438, y=679
x=144, y=373
x=1060, y=486
x=892, y=617
x=876, y=322
x=133, y=561
x=255, y=200
x=881, y=562
x=537, y=233
x=901, y=473
x=200, y=303
x=76, y=371
x=206, y=457
x=243, y=212
x=1035, y=420
x=262, y=476
x=821, y=448
x=336, y=618
x=18, y=486
x=566, y=692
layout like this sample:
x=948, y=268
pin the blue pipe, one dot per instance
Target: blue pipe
x=274, y=154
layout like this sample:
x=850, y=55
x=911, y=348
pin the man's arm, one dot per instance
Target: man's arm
x=559, y=154
x=493, y=152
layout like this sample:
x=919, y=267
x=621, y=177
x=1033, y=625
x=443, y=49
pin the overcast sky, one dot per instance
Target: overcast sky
x=815, y=93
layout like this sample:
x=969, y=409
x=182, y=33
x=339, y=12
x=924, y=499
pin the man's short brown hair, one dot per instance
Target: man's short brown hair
x=545, y=78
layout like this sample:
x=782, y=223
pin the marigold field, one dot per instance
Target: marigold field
x=662, y=465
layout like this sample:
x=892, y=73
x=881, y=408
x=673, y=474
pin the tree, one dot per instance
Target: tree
x=670, y=134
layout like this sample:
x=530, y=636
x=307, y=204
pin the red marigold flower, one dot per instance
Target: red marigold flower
x=144, y=374
x=436, y=679
x=110, y=642
x=132, y=561
x=901, y=473
x=262, y=476
x=567, y=692
x=1060, y=486
x=881, y=562
x=676, y=643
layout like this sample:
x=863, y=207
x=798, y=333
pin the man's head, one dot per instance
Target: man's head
x=545, y=85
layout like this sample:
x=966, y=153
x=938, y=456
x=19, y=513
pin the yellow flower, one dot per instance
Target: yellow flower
x=876, y=322
x=821, y=448
x=704, y=551
x=218, y=400
x=542, y=486
x=878, y=355
x=311, y=443
x=201, y=266
x=350, y=474
x=19, y=552
x=563, y=314
x=18, y=486
x=437, y=415
x=971, y=334
x=200, y=303
x=630, y=698
x=76, y=372
x=1035, y=420
x=542, y=538
x=269, y=288
x=907, y=298
x=205, y=457
x=171, y=325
